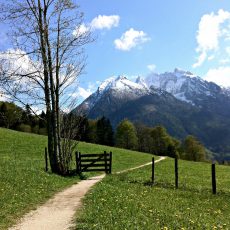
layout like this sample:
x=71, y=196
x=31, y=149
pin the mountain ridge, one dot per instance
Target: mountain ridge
x=182, y=102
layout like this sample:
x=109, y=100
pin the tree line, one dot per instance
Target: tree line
x=16, y=118
x=154, y=140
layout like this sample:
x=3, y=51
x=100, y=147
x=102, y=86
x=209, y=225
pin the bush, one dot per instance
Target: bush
x=42, y=131
x=24, y=128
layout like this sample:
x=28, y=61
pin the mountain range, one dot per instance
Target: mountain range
x=180, y=101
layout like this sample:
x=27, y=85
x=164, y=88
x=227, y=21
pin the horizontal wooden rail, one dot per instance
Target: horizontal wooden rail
x=95, y=155
x=93, y=162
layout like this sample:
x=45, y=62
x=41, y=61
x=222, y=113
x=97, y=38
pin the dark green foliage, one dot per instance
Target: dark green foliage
x=192, y=149
x=92, y=134
x=104, y=132
x=10, y=115
x=84, y=129
x=162, y=142
x=24, y=128
x=144, y=143
x=14, y=117
x=42, y=120
x=126, y=135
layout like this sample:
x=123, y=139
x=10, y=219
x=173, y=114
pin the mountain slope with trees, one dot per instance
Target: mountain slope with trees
x=184, y=104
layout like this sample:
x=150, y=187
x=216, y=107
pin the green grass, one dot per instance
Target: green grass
x=122, y=158
x=128, y=201
x=23, y=182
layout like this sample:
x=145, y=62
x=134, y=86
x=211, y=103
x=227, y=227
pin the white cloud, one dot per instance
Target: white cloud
x=81, y=30
x=200, y=60
x=224, y=61
x=105, y=22
x=84, y=93
x=210, y=58
x=98, y=23
x=16, y=61
x=209, y=34
x=130, y=39
x=227, y=49
x=220, y=76
x=151, y=67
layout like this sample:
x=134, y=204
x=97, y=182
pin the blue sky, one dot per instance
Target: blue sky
x=175, y=34
x=138, y=37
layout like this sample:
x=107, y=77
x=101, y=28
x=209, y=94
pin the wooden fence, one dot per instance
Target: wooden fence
x=213, y=175
x=94, y=162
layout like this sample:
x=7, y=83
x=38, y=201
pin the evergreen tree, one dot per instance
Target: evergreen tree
x=104, y=132
x=84, y=128
x=126, y=136
x=42, y=120
x=92, y=132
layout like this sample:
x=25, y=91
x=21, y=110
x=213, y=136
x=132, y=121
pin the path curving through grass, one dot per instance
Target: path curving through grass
x=59, y=212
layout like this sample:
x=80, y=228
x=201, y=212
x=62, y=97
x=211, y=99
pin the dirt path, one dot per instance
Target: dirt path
x=126, y=170
x=58, y=212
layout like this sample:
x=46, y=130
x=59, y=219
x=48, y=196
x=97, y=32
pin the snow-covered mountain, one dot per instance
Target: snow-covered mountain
x=183, y=85
x=117, y=87
x=180, y=101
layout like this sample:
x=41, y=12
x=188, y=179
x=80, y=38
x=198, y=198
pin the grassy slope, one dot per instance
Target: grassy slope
x=23, y=182
x=127, y=201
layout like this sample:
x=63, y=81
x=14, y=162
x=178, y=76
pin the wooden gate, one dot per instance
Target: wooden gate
x=94, y=162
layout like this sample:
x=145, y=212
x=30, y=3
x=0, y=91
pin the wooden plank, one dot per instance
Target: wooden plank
x=77, y=162
x=153, y=170
x=93, y=165
x=176, y=173
x=105, y=159
x=213, y=179
x=110, y=162
x=46, y=160
x=94, y=160
x=94, y=170
x=79, y=158
x=94, y=155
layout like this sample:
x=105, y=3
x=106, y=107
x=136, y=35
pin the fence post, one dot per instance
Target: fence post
x=153, y=170
x=46, y=160
x=176, y=172
x=105, y=158
x=77, y=162
x=110, y=162
x=213, y=178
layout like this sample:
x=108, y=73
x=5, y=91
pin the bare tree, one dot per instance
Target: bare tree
x=47, y=57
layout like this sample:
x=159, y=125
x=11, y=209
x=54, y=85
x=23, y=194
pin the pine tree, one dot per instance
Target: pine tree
x=104, y=132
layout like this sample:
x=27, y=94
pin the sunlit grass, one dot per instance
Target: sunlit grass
x=128, y=201
x=23, y=182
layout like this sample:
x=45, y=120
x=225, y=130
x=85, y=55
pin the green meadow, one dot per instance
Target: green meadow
x=130, y=201
x=120, y=201
x=23, y=182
